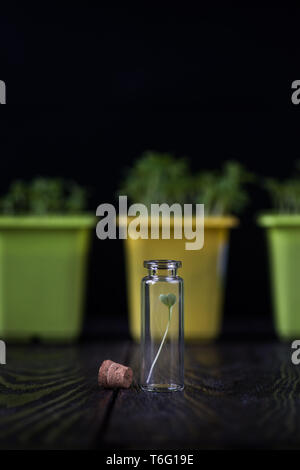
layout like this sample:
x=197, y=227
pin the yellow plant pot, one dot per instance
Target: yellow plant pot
x=203, y=272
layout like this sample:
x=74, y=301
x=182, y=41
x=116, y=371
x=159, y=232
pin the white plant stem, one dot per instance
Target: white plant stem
x=160, y=347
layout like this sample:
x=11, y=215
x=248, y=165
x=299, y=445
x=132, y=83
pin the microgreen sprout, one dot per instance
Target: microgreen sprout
x=159, y=177
x=285, y=195
x=43, y=196
x=169, y=300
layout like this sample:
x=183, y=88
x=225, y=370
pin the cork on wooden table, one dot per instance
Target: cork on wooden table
x=114, y=375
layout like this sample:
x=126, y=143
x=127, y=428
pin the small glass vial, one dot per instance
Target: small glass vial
x=162, y=337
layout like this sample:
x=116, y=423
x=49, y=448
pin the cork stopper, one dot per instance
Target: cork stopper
x=114, y=375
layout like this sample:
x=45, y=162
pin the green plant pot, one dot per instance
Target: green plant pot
x=283, y=236
x=42, y=275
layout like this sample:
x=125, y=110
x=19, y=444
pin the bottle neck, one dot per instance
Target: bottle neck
x=166, y=272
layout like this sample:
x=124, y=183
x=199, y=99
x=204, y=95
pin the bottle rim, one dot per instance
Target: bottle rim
x=162, y=264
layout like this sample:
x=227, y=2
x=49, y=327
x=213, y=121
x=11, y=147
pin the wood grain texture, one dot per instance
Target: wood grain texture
x=236, y=396
x=49, y=396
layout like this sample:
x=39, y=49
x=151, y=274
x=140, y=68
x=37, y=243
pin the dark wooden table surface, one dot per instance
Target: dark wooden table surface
x=237, y=395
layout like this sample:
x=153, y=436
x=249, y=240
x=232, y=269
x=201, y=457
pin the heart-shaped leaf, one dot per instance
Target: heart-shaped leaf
x=164, y=299
x=169, y=300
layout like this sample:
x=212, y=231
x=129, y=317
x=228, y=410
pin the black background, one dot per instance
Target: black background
x=90, y=88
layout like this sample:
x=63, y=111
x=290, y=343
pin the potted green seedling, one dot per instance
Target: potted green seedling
x=283, y=235
x=162, y=178
x=44, y=241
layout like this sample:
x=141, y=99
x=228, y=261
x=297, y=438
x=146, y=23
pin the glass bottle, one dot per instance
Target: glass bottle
x=162, y=337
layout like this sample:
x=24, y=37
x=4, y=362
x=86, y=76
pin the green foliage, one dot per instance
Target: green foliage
x=222, y=192
x=159, y=177
x=43, y=196
x=285, y=195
